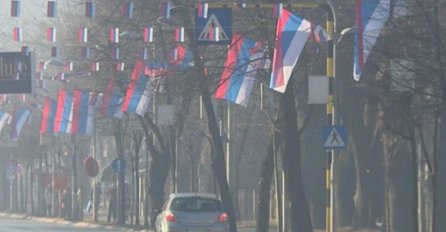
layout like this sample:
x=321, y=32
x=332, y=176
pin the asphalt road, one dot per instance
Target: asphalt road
x=23, y=225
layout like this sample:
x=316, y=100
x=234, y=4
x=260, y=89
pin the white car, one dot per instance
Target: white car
x=192, y=212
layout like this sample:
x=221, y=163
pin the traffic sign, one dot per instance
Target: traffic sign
x=334, y=137
x=118, y=165
x=215, y=29
x=91, y=166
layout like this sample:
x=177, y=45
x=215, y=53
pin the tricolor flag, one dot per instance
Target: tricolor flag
x=52, y=9
x=42, y=66
x=144, y=53
x=85, y=52
x=371, y=15
x=19, y=118
x=148, y=34
x=179, y=34
x=21, y=97
x=165, y=9
x=120, y=66
x=114, y=35
x=181, y=56
x=244, y=59
x=82, y=116
x=51, y=34
x=90, y=9
x=156, y=69
x=111, y=101
x=48, y=116
x=139, y=91
x=95, y=66
x=115, y=53
x=292, y=33
x=5, y=118
x=82, y=35
x=202, y=10
x=63, y=111
x=15, y=8
x=127, y=9
x=54, y=51
x=68, y=67
x=17, y=34
x=25, y=50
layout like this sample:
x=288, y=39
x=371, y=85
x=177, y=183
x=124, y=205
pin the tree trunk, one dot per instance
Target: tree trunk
x=400, y=202
x=300, y=216
x=266, y=175
x=439, y=189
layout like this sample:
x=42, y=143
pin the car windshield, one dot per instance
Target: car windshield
x=197, y=204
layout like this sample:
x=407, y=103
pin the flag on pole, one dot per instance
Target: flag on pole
x=181, y=56
x=48, y=116
x=82, y=117
x=127, y=9
x=15, y=8
x=90, y=9
x=292, y=33
x=85, y=52
x=5, y=118
x=17, y=34
x=148, y=34
x=54, y=51
x=165, y=9
x=52, y=9
x=371, y=15
x=51, y=34
x=139, y=91
x=114, y=35
x=19, y=118
x=245, y=57
x=202, y=9
x=63, y=111
x=111, y=101
x=82, y=35
x=179, y=34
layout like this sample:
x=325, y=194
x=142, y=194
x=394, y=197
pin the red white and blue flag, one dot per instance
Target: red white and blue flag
x=292, y=33
x=114, y=35
x=148, y=34
x=90, y=9
x=165, y=9
x=82, y=117
x=82, y=35
x=245, y=57
x=52, y=9
x=371, y=15
x=48, y=116
x=19, y=118
x=63, y=111
x=202, y=9
x=51, y=34
x=15, y=8
x=17, y=34
x=127, y=9
x=5, y=118
x=139, y=91
x=181, y=57
x=111, y=101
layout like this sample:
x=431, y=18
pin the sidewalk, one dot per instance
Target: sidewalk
x=86, y=223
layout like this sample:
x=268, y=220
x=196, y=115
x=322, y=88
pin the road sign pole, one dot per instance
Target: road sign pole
x=330, y=119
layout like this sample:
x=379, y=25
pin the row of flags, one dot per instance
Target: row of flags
x=127, y=8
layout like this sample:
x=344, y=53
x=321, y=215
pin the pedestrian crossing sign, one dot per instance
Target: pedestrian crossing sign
x=334, y=137
x=216, y=29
